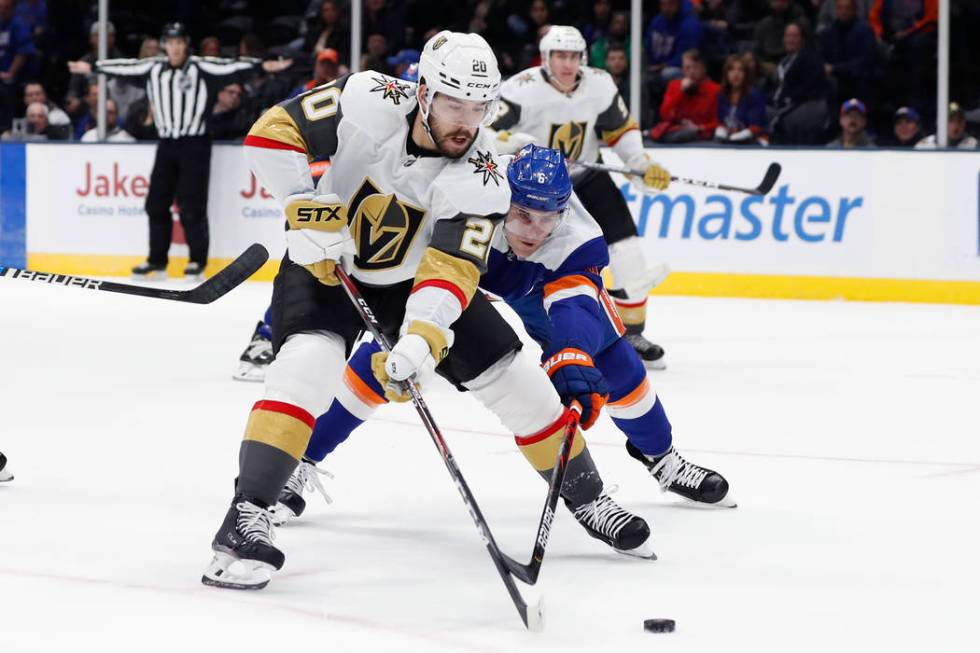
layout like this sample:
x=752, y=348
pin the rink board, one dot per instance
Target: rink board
x=867, y=225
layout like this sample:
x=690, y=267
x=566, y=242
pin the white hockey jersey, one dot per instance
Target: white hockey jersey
x=400, y=200
x=573, y=122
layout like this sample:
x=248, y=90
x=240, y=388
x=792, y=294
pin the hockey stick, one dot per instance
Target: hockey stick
x=529, y=572
x=532, y=616
x=247, y=263
x=768, y=181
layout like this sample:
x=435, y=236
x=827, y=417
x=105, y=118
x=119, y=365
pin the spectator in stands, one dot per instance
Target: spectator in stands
x=741, y=106
x=34, y=14
x=617, y=65
x=85, y=118
x=672, y=32
x=909, y=28
x=598, y=25
x=78, y=84
x=34, y=126
x=690, y=108
x=716, y=36
x=210, y=47
x=228, y=121
x=376, y=56
x=618, y=34
x=114, y=133
x=150, y=47
x=386, y=19
x=16, y=48
x=907, y=130
x=956, y=135
x=853, y=120
x=328, y=31
x=324, y=70
x=800, y=100
x=401, y=61
x=848, y=49
x=34, y=92
x=895, y=22
x=768, y=37
x=827, y=13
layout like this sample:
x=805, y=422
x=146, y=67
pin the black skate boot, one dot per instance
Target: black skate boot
x=5, y=474
x=256, y=358
x=651, y=354
x=291, y=502
x=684, y=478
x=244, y=557
x=194, y=272
x=147, y=271
x=605, y=520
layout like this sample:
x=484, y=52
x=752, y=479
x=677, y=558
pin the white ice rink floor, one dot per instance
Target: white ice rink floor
x=850, y=433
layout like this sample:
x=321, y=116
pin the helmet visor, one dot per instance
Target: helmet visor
x=463, y=113
x=527, y=229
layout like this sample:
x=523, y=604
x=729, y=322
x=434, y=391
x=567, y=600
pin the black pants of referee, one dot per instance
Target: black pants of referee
x=181, y=169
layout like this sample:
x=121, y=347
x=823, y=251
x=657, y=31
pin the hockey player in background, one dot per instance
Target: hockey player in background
x=421, y=188
x=567, y=105
x=545, y=263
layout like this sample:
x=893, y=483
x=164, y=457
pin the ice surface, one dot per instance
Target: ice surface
x=849, y=433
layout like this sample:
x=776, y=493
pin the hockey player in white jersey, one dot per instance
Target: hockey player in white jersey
x=545, y=263
x=567, y=105
x=412, y=196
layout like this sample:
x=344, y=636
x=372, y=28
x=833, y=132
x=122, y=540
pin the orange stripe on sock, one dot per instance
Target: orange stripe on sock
x=638, y=393
x=362, y=390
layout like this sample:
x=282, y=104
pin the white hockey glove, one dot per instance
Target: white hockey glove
x=318, y=237
x=512, y=142
x=655, y=176
x=414, y=357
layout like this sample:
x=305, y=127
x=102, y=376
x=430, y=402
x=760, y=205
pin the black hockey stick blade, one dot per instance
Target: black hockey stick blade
x=529, y=572
x=533, y=615
x=244, y=266
x=772, y=174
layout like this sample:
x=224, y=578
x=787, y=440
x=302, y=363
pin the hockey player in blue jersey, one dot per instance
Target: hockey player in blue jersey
x=545, y=263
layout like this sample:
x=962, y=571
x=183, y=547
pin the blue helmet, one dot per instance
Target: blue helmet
x=539, y=180
x=411, y=74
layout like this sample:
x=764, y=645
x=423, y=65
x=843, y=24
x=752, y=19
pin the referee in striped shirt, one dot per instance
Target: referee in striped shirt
x=181, y=90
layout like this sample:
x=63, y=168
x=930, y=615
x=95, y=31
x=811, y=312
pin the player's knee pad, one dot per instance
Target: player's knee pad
x=633, y=276
x=519, y=392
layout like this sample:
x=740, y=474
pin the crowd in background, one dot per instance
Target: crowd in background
x=851, y=73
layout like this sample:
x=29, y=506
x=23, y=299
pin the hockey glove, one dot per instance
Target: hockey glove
x=414, y=357
x=577, y=381
x=318, y=237
x=512, y=142
x=655, y=176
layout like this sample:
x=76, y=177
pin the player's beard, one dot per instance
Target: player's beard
x=446, y=142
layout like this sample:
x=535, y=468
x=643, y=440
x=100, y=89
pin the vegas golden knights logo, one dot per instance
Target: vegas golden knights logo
x=568, y=137
x=383, y=227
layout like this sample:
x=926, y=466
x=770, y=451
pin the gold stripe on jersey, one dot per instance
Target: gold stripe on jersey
x=437, y=265
x=277, y=125
x=611, y=137
x=279, y=430
x=543, y=452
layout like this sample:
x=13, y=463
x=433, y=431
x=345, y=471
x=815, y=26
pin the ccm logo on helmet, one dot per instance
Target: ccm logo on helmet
x=478, y=85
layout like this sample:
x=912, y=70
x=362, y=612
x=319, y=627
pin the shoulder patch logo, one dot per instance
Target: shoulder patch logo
x=390, y=89
x=486, y=165
x=441, y=41
x=525, y=78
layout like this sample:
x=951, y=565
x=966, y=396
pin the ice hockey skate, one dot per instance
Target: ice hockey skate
x=652, y=355
x=5, y=474
x=606, y=520
x=695, y=483
x=291, y=502
x=255, y=360
x=244, y=556
x=147, y=271
x=194, y=272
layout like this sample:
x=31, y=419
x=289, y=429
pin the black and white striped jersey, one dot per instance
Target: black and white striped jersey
x=181, y=98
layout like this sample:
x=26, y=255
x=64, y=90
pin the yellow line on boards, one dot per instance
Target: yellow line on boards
x=702, y=284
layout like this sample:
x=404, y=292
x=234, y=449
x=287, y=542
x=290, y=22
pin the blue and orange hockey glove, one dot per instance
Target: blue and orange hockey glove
x=577, y=380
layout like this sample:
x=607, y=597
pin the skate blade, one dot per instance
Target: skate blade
x=644, y=551
x=229, y=572
x=535, y=616
x=659, y=364
x=152, y=277
x=726, y=503
x=250, y=373
x=6, y=476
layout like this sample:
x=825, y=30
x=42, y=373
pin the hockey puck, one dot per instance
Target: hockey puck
x=659, y=625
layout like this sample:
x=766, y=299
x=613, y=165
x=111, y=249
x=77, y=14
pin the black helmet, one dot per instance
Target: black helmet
x=173, y=30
